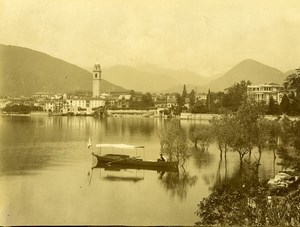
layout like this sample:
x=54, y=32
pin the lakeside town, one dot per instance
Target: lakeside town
x=280, y=99
x=150, y=113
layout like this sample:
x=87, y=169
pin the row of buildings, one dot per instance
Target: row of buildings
x=82, y=102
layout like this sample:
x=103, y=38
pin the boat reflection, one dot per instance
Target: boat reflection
x=123, y=178
x=125, y=173
x=115, y=174
x=118, y=166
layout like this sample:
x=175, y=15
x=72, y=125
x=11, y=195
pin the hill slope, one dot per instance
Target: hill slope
x=24, y=71
x=254, y=71
x=150, y=78
x=137, y=80
x=181, y=76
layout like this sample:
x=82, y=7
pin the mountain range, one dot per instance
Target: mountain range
x=24, y=71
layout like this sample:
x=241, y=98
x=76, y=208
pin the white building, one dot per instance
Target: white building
x=201, y=97
x=264, y=92
x=79, y=106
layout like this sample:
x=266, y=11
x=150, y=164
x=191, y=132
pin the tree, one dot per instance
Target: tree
x=192, y=97
x=147, y=101
x=262, y=135
x=179, y=102
x=21, y=108
x=247, y=117
x=285, y=104
x=208, y=100
x=173, y=142
x=274, y=133
x=236, y=95
x=292, y=82
x=216, y=101
x=199, y=107
x=201, y=134
x=184, y=94
x=239, y=139
x=221, y=131
x=273, y=108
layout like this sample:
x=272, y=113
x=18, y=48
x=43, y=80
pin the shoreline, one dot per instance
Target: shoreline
x=183, y=116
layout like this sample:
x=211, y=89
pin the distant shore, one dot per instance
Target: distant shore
x=131, y=114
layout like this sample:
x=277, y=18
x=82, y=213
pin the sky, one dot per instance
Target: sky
x=204, y=36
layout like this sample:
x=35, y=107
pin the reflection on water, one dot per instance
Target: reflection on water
x=202, y=159
x=177, y=184
x=116, y=174
x=44, y=160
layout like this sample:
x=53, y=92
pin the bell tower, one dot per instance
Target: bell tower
x=97, y=80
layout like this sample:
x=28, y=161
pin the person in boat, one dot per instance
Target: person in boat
x=162, y=158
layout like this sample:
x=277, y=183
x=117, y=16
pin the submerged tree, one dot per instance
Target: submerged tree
x=239, y=129
x=262, y=135
x=173, y=142
x=221, y=131
x=247, y=117
x=239, y=139
x=201, y=134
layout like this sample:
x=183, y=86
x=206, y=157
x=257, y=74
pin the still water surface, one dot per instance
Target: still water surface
x=46, y=175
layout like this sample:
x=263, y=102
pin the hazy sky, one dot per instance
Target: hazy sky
x=207, y=37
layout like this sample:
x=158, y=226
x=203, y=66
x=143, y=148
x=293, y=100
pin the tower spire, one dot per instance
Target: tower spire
x=97, y=80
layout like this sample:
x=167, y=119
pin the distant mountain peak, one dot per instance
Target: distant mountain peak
x=248, y=69
x=249, y=60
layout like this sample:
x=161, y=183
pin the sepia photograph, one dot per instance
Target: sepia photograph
x=149, y=113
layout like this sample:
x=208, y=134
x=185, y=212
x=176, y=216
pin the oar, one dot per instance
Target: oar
x=109, y=163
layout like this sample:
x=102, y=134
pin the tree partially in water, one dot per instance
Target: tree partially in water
x=202, y=135
x=238, y=130
x=221, y=128
x=265, y=134
x=174, y=142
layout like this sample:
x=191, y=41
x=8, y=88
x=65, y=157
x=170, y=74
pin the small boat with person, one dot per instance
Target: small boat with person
x=132, y=162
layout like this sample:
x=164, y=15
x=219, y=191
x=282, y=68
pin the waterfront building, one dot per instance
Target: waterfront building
x=82, y=106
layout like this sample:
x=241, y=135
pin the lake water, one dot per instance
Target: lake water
x=46, y=175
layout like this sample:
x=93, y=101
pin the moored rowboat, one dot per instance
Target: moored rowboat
x=132, y=162
x=127, y=162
